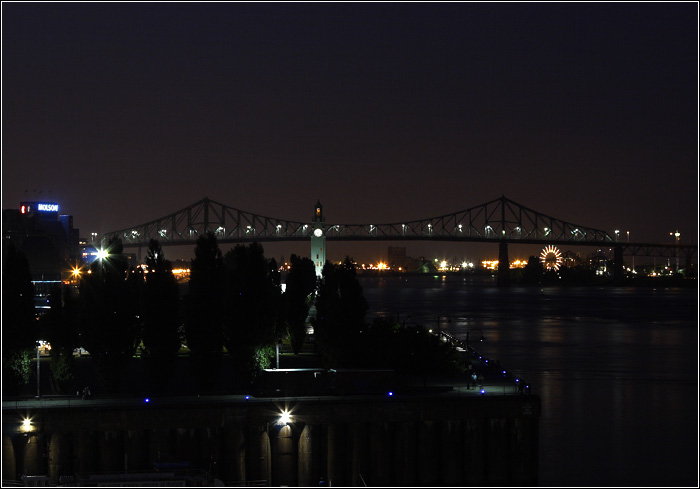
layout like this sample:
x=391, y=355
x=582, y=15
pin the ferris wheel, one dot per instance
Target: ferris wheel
x=551, y=258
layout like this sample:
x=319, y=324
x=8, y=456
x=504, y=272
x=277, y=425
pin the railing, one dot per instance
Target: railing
x=506, y=383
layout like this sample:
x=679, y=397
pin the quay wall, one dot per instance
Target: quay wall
x=372, y=440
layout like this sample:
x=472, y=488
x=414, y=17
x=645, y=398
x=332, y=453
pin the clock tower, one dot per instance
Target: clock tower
x=318, y=239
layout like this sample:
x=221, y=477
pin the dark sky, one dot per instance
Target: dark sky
x=126, y=112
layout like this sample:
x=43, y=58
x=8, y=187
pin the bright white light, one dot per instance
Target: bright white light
x=285, y=418
x=102, y=254
x=27, y=424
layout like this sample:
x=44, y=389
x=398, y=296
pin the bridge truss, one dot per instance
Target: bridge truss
x=499, y=220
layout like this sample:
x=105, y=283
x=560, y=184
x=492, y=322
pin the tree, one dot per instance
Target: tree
x=385, y=343
x=204, y=317
x=61, y=326
x=340, y=312
x=160, y=317
x=301, y=283
x=252, y=307
x=18, y=323
x=109, y=310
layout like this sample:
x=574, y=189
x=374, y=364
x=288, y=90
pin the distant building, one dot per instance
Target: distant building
x=47, y=239
x=396, y=257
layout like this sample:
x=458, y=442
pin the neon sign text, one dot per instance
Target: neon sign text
x=47, y=207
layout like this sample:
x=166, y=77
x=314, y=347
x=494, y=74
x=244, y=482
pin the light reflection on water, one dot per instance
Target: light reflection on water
x=616, y=368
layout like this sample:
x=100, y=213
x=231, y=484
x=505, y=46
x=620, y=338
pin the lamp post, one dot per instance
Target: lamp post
x=438, y=324
x=38, y=371
x=678, y=237
x=277, y=347
x=628, y=240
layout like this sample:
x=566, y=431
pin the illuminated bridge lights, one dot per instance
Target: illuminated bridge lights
x=498, y=219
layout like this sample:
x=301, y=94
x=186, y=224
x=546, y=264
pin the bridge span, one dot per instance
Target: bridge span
x=501, y=221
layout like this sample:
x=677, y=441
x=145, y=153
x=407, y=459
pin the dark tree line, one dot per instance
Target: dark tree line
x=301, y=284
x=19, y=327
x=109, y=315
x=347, y=341
x=235, y=306
x=340, y=313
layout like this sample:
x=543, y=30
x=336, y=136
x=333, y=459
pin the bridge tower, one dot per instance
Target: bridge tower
x=318, y=239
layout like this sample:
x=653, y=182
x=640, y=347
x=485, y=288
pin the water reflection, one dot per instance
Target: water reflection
x=616, y=369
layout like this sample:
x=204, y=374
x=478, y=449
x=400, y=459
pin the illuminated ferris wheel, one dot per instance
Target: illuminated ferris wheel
x=551, y=258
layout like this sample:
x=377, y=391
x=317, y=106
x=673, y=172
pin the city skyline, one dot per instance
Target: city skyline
x=385, y=112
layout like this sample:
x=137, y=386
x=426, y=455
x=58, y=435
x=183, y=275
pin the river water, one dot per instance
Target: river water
x=616, y=368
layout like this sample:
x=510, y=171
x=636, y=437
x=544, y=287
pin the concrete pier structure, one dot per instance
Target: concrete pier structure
x=503, y=279
x=439, y=439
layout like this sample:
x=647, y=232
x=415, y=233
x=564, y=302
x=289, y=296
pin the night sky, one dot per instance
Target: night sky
x=126, y=112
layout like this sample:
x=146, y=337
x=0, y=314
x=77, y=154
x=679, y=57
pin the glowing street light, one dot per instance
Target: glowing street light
x=285, y=418
x=102, y=254
x=676, y=234
x=678, y=237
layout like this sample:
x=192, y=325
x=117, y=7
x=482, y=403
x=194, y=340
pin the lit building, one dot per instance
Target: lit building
x=47, y=239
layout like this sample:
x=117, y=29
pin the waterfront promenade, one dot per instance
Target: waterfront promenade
x=393, y=431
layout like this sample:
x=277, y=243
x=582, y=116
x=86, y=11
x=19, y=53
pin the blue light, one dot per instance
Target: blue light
x=483, y=391
x=247, y=397
x=391, y=393
x=504, y=372
x=517, y=380
x=147, y=400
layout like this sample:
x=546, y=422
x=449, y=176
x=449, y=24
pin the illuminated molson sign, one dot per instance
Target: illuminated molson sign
x=47, y=207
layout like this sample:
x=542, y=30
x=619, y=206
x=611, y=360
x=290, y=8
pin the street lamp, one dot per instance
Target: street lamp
x=277, y=348
x=438, y=324
x=38, y=371
x=678, y=237
x=617, y=234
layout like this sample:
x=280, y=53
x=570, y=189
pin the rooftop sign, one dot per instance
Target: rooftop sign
x=38, y=206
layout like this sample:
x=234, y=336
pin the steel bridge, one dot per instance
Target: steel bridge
x=501, y=220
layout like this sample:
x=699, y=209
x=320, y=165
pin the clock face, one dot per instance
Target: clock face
x=318, y=233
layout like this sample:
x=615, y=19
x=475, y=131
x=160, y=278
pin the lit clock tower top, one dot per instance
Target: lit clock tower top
x=318, y=212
